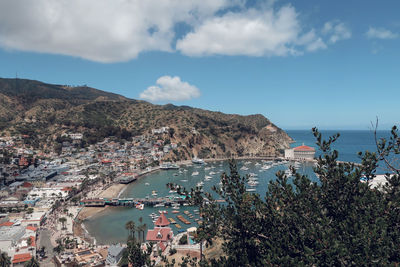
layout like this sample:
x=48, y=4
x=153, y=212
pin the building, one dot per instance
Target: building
x=10, y=236
x=21, y=259
x=93, y=202
x=88, y=257
x=114, y=254
x=76, y=136
x=162, y=235
x=302, y=152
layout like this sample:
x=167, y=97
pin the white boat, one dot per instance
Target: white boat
x=169, y=166
x=252, y=174
x=250, y=189
x=196, y=160
x=154, y=193
x=195, y=173
x=257, y=164
x=199, y=184
x=247, y=162
x=288, y=173
x=172, y=191
x=159, y=205
x=266, y=167
x=207, y=168
x=146, y=184
x=252, y=183
x=244, y=168
x=212, y=173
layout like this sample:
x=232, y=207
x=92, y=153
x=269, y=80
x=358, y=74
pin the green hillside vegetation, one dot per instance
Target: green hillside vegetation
x=45, y=111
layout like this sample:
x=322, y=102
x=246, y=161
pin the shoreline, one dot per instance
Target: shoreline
x=88, y=212
x=116, y=190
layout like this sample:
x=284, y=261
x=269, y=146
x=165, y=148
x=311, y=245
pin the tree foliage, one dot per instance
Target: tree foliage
x=338, y=221
x=5, y=260
x=32, y=263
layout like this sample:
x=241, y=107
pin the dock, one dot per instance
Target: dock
x=180, y=217
x=131, y=202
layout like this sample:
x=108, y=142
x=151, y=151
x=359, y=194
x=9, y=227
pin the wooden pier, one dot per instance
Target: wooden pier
x=131, y=202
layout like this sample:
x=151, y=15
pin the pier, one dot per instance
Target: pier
x=131, y=202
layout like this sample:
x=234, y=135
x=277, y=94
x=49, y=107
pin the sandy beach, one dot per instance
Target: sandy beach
x=116, y=190
x=111, y=192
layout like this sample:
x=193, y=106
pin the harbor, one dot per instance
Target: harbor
x=109, y=225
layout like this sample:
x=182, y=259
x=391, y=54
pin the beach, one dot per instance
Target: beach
x=111, y=192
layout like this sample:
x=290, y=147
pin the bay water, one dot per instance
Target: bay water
x=108, y=226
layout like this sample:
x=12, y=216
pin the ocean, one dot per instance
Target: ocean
x=108, y=227
x=348, y=144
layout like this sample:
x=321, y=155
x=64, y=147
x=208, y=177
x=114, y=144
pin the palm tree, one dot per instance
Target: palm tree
x=5, y=261
x=62, y=220
x=32, y=263
x=144, y=230
x=130, y=226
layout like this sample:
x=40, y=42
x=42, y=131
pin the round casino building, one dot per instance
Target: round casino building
x=302, y=152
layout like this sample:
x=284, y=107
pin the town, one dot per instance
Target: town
x=42, y=195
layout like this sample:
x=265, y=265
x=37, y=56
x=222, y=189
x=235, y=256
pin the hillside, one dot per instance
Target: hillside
x=45, y=111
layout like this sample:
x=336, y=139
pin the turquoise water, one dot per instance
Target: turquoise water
x=109, y=226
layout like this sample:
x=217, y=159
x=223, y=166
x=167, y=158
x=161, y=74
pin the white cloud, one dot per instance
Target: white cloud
x=169, y=88
x=98, y=30
x=380, y=33
x=119, y=30
x=311, y=41
x=264, y=32
x=336, y=31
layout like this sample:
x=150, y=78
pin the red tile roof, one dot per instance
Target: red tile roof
x=159, y=234
x=7, y=224
x=304, y=148
x=33, y=241
x=23, y=257
x=32, y=228
x=66, y=189
x=162, y=221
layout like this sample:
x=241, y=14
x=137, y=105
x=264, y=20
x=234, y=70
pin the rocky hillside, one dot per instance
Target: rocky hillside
x=45, y=111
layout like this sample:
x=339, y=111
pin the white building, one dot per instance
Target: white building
x=302, y=152
x=160, y=130
x=76, y=136
x=9, y=237
x=289, y=153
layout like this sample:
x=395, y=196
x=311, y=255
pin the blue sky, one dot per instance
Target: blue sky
x=330, y=64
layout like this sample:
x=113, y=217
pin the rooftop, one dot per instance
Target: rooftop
x=162, y=221
x=114, y=250
x=304, y=148
x=159, y=234
x=23, y=257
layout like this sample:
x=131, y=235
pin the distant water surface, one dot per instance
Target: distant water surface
x=109, y=226
x=349, y=143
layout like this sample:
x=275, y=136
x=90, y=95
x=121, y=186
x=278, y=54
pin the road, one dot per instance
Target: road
x=44, y=241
